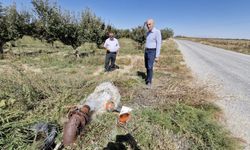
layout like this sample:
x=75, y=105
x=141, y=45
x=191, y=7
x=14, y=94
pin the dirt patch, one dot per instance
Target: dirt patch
x=28, y=68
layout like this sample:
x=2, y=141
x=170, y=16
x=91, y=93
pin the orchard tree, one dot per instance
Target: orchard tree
x=119, y=33
x=167, y=33
x=111, y=28
x=92, y=28
x=48, y=20
x=69, y=32
x=28, y=24
x=125, y=33
x=52, y=24
x=139, y=35
x=11, y=24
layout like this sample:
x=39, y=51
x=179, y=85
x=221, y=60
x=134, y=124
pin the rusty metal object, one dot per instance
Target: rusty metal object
x=78, y=118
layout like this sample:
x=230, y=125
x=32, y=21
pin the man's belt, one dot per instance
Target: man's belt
x=151, y=49
x=111, y=52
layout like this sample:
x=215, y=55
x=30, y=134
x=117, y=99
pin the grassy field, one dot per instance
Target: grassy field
x=237, y=45
x=39, y=83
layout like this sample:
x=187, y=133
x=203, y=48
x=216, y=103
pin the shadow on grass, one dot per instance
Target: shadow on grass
x=119, y=143
x=141, y=74
x=1, y=56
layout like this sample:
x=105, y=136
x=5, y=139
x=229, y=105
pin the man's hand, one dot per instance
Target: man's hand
x=157, y=59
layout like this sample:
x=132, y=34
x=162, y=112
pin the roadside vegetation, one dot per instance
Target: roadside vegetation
x=237, y=45
x=51, y=60
x=175, y=114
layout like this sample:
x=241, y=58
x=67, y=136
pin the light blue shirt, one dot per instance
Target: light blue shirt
x=112, y=45
x=153, y=40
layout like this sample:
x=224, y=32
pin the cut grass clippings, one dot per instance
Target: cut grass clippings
x=175, y=114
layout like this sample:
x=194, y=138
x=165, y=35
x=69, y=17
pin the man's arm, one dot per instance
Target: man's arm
x=158, y=45
x=117, y=47
x=106, y=45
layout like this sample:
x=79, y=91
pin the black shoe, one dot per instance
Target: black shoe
x=111, y=69
x=117, y=67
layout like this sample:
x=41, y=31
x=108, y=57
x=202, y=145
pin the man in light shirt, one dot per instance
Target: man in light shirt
x=152, y=49
x=112, y=46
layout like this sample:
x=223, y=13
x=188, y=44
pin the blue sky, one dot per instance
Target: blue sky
x=200, y=18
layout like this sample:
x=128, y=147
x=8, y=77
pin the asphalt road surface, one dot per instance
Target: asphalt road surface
x=229, y=73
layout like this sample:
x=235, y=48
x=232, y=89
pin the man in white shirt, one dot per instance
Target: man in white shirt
x=112, y=46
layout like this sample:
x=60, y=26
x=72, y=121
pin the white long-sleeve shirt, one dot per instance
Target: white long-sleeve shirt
x=112, y=45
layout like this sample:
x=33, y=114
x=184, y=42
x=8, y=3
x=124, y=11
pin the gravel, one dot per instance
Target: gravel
x=229, y=74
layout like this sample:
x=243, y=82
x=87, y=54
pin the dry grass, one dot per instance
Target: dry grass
x=237, y=45
x=175, y=114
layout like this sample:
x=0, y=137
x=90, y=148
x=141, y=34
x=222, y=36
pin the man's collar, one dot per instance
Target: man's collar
x=153, y=30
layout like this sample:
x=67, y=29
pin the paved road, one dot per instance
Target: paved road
x=231, y=72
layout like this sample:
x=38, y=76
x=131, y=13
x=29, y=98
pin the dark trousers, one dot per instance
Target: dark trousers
x=110, y=59
x=149, y=58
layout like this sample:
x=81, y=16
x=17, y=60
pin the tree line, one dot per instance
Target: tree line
x=48, y=22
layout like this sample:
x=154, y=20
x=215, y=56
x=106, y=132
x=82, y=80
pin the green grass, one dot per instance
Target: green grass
x=196, y=124
x=128, y=46
x=175, y=115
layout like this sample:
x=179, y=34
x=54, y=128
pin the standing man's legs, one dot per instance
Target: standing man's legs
x=107, y=59
x=149, y=63
x=113, y=58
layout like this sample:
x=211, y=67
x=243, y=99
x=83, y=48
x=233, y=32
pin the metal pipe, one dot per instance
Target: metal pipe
x=78, y=118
